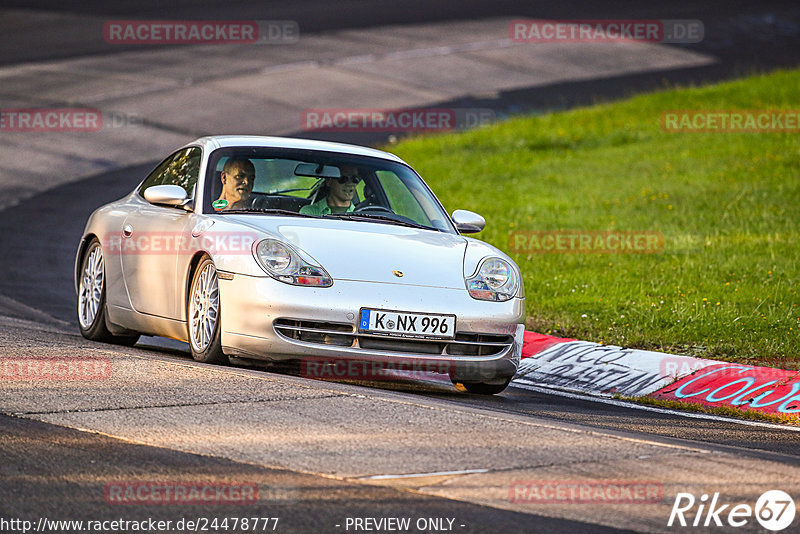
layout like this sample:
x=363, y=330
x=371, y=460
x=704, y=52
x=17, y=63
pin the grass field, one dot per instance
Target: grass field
x=727, y=204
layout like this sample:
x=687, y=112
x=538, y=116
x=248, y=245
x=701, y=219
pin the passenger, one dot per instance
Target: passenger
x=238, y=176
x=336, y=194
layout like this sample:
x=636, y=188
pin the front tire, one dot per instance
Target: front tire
x=203, y=313
x=92, y=299
x=485, y=388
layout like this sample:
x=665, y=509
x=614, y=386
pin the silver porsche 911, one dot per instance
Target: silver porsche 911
x=264, y=248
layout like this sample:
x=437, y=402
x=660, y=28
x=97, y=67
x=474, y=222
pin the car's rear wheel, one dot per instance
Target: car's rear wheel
x=204, y=314
x=92, y=298
x=485, y=388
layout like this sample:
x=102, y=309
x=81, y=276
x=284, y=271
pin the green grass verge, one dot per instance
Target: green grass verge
x=728, y=206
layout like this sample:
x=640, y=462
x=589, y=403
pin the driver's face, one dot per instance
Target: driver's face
x=237, y=183
x=342, y=194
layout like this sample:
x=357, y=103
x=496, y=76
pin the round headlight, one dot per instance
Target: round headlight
x=496, y=273
x=274, y=255
x=495, y=280
x=282, y=262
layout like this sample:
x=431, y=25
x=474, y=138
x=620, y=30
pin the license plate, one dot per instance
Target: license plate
x=406, y=324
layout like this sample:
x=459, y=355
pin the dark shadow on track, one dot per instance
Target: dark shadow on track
x=41, y=236
x=75, y=488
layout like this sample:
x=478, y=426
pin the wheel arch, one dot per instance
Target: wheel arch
x=82, y=247
x=187, y=283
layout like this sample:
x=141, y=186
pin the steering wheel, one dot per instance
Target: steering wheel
x=373, y=208
x=384, y=209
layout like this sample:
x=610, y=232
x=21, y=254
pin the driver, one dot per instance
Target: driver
x=338, y=193
x=238, y=176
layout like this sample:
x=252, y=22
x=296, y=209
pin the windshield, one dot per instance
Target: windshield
x=320, y=184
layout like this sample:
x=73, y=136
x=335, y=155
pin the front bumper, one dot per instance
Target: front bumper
x=269, y=320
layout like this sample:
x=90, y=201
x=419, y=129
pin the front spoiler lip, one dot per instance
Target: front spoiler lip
x=460, y=368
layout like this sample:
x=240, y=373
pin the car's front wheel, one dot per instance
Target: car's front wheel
x=485, y=388
x=92, y=298
x=204, y=315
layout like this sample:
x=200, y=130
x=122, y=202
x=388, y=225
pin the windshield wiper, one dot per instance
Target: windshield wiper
x=351, y=215
x=287, y=191
x=375, y=216
x=271, y=211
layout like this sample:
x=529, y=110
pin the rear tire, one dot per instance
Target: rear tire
x=92, y=299
x=203, y=315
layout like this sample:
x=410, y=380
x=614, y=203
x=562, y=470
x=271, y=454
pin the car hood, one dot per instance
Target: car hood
x=372, y=252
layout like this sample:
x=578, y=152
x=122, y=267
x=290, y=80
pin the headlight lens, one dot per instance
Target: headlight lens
x=495, y=280
x=275, y=256
x=284, y=263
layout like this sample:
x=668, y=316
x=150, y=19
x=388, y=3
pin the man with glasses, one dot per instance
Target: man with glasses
x=337, y=194
x=238, y=176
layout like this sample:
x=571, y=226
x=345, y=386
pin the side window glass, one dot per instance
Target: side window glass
x=182, y=168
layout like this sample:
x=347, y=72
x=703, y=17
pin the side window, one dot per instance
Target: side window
x=182, y=168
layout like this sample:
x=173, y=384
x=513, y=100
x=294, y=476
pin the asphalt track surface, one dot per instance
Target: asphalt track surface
x=725, y=21
x=49, y=470
x=303, y=503
x=744, y=36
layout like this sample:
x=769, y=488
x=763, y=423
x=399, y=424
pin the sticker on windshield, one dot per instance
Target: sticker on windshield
x=219, y=204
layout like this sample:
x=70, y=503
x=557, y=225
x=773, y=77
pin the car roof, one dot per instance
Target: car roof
x=223, y=141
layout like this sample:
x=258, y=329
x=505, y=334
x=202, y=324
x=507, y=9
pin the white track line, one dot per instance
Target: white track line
x=421, y=475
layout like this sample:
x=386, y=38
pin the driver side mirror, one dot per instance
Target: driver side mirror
x=468, y=222
x=167, y=195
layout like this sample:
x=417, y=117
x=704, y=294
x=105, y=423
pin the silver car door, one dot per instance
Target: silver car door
x=154, y=241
